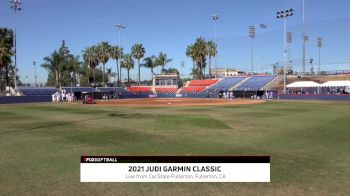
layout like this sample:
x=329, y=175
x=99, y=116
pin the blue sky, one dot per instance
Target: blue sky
x=169, y=26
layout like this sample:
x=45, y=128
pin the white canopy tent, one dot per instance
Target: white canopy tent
x=343, y=83
x=303, y=84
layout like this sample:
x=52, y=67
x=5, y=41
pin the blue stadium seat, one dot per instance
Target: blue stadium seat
x=256, y=82
x=224, y=84
x=28, y=91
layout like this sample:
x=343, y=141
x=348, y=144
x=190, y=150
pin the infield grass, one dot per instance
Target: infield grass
x=309, y=144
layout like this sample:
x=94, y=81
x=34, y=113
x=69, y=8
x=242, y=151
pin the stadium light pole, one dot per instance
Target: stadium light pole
x=182, y=68
x=252, y=36
x=26, y=77
x=120, y=27
x=289, y=41
x=262, y=27
x=16, y=6
x=284, y=14
x=304, y=38
x=319, y=45
x=215, y=17
x=35, y=76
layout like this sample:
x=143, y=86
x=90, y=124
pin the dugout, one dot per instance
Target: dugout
x=248, y=93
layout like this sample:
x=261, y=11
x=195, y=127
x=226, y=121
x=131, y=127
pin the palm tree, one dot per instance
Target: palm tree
x=103, y=57
x=190, y=53
x=150, y=62
x=53, y=63
x=84, y=74
x=127, y=63
x=162, y=60
x=198, y=52
x=6, y=43
x=110, y=74
x=91, y=59
x=138, y=51
x=72, y=66
x=116, y=54
x=194, y=73
x=212, y=51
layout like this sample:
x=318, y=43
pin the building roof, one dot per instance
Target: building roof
x=303, y=84
x=342, y=83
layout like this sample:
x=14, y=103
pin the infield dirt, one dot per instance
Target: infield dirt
x=162, y=102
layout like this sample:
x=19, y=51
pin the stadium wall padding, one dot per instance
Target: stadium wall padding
x=24, y=99
x=315, y=97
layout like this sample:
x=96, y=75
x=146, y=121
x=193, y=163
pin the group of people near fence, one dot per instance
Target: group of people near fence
x=226, y=95
x=63, y=97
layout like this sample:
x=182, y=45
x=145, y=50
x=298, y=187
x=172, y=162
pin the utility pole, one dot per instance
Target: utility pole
x=284, y=15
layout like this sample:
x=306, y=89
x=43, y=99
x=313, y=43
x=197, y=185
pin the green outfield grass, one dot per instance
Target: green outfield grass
x=309, y=144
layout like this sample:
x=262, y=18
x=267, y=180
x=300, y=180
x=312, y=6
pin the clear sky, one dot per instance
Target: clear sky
x=169, y=26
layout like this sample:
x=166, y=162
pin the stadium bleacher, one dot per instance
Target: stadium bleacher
x=225, y=84
x=256, y=82
x=80, y=89
x=120, y=90
x=192, y=89
x=140, y=89
x=166, y=90
x=196, y=86
x=202, y=82
x=29, y=91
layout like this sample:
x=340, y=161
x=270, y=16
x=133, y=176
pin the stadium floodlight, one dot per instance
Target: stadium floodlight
x=251, y=32
x=120, y=27
x=215, y=17
x=319, y=45
x=16, y=6
x=289, y=37
x=284, y=14
x=262, y=27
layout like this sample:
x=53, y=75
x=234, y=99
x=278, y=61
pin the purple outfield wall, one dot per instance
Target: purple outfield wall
x=315, y=97
x=24, y=99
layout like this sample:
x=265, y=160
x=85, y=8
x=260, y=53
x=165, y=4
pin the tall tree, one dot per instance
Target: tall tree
x=138, y=52
x=6, y=43
x=190, y=53
x=90, y=57
x=52, y=64
x=72, y=68
x=162, y=60
x=127, y=63
x=150, y=62
x=212, y=51
x=110, y=74
x=116, y=54
x=198, y=52
x=103, y=57
x=61, y=66
x=201, y=53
